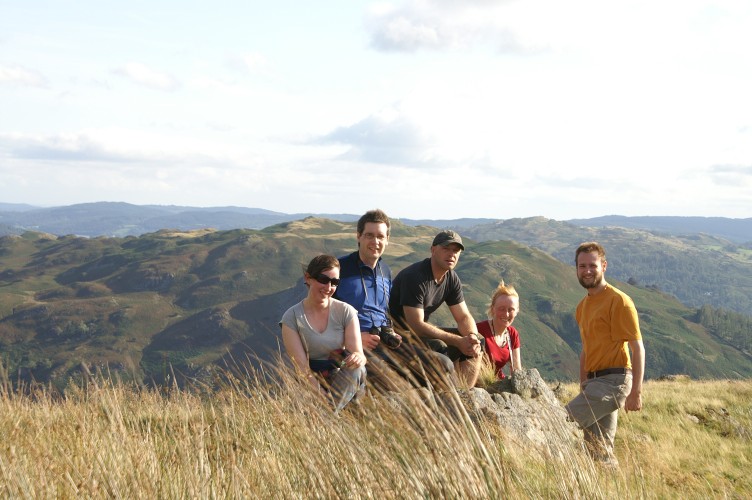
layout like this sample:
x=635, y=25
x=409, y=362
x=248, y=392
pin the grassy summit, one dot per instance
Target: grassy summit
x=252, y=440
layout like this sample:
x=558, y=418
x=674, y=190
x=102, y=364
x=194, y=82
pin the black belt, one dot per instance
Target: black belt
x=608, y=371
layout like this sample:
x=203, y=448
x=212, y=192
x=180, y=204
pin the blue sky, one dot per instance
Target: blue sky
x=426, y=109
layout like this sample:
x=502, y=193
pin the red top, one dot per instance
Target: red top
x=499, y=355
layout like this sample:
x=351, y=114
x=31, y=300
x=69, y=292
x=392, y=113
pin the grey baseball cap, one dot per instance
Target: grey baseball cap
x=448, y=237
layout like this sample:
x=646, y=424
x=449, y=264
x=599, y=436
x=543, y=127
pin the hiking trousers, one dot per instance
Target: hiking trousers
x=596, y=410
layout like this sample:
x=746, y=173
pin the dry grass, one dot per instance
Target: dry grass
x=257, y=439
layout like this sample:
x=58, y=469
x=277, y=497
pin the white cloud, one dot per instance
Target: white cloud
x=513, y=108
x=73, y=147
x=18, y=75
x=738, y=176
x=253, y=62
x=386, y=137
x=448, y=24
x=143, y=75
x=399, y=32
x=119, y=147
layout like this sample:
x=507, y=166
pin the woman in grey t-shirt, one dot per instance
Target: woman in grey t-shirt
x=322, y=335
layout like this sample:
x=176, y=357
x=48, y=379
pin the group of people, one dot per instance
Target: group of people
x=355, y=314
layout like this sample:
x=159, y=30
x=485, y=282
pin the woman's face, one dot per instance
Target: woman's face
x=505, y=309
x=320, y=290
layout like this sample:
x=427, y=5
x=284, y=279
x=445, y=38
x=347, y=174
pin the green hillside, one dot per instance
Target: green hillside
x=175, y=302
x=698, y=269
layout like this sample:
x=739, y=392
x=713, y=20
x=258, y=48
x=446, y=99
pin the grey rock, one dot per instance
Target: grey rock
x=527, y=411
x=523, y=409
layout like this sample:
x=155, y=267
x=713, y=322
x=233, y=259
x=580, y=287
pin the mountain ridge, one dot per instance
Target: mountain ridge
x=125, y=219
x=178, y=303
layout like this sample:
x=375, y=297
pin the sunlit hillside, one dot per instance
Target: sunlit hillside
x=176, y=303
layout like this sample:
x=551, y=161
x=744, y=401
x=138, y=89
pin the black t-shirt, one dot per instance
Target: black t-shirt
x=415, y=286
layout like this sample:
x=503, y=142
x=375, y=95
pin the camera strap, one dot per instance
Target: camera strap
x=383, y=303
x=505, y=340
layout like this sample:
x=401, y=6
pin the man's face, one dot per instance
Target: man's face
x=590, y=269
x=446, y=257
x=372, y=241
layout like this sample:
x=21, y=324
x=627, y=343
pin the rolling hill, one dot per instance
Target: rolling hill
x=181, y=302
x=696, y=268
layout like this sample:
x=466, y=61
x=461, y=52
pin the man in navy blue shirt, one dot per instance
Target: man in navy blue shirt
x=365, y=279
x=366, y=284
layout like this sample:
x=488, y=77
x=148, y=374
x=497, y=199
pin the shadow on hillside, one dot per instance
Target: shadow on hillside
x=234, y=337
x=261, y=316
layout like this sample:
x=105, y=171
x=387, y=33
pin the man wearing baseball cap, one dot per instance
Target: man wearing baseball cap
x=419, y=289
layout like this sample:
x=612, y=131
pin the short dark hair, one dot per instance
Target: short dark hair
x=378, y=216
x=590, y=246
x=321, y=263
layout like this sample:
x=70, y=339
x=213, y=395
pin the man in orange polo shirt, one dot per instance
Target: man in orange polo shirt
x=609, y=329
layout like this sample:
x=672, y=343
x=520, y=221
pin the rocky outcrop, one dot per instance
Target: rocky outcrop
x=527, y=411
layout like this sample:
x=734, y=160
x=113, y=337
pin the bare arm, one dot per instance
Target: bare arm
x=470, y=346
x=516, y=360
x=415, y=319
x=469, y=342
x=353, y=343
x=634, y=399
x=465, y=322
x=295, y=350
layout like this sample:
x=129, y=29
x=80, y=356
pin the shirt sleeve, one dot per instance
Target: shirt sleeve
x=626, y=323
x=350, y=313
x=514, y=337
x=289, y=319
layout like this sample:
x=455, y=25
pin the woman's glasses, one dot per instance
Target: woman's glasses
x=325, y=280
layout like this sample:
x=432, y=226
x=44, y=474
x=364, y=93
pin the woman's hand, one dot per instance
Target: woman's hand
x=355, y=360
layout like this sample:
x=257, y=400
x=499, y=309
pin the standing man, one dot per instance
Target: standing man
x=421, y=288
x=366, y=284
x=609, y=329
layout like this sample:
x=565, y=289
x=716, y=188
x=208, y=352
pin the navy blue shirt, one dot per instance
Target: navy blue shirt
x=366, y=289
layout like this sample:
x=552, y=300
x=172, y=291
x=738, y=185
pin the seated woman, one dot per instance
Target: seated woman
x=322, y=336
x=499, y=332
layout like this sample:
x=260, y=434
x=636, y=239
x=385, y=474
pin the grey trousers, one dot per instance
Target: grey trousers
x=345, y=385
x=596, y=410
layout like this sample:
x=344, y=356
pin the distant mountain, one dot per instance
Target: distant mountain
x=177, y=302
x=455, y=224
x=697, y=268
x=698, y=264
x=15, y=207
x=124, y=219
x=737, y=230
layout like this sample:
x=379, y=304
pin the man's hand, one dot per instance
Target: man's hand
x=634, y=402
x=469, y=345
x=369, y=341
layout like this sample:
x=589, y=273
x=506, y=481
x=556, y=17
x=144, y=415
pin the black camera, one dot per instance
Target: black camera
x=387, y=336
